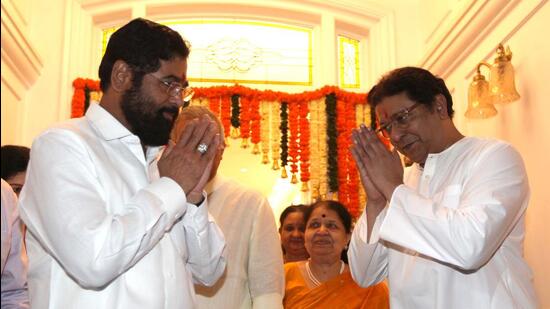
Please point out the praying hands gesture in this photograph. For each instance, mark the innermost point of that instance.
(380, 170)
(189, 161)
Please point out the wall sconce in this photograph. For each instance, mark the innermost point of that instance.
(500, 89)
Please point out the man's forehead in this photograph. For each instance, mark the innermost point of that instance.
(175, 67)
(391, 106)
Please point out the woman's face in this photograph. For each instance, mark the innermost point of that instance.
(325, 234)
(292, 233)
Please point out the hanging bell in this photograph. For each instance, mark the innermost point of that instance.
(305, 187)
(275, 165)
(283, 173)
(244, 142)
(235, 132)
(315, 194)
(265, 158)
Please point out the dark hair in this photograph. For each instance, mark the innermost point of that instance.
(290, 209)
(342, 212)
(141, 44)
(418, 84)
(14, 160)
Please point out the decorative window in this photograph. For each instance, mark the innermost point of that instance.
(348, 55)
(246, 52)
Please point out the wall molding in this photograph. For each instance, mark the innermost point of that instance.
(17, 52)
(374, 24)
(461, 32)
(491, 53)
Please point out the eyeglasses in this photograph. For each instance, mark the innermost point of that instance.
(175, 89)
(400, 119)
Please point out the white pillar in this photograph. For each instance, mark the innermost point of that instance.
(329, 59)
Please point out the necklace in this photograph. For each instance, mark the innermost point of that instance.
(314, 279)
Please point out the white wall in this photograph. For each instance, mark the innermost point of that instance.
(523, 25)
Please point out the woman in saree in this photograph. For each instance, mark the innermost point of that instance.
(324, 280)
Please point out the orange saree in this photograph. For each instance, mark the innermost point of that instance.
(340, 292)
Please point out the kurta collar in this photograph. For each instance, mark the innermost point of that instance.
(433, 158)
(106, 125)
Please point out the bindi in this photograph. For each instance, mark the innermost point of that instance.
(323, 215)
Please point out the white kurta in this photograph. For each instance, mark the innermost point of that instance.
(105, 231)
(14, 261)
(452, 235)
(254, 277)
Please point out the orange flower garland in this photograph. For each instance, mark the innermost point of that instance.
(362, 115)
(294, 135)
(265, 123)
(353, 176)
(304, 143)
(275, 134)
(255, 118)
(214, 105)
(245, 117)
(218, 98)
(227, 91)
(342, 141)
(78, 102)
(225, 114)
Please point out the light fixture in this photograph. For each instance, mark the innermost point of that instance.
(499, 89)
(480, 101)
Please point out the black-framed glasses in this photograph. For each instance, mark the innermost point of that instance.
(176, 89)
(400, 119)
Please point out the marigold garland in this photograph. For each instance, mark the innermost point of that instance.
(238, 90)
(353, 177)
(245, 117)
(314, 156)
(323, 150)
(316, 132)
(255, 118)
(214, 105)
(304, 142)
(294, 133)
(362, 115)
(342, 144)
(275, 134)
(80, 101)
(332, 150)
(264, 130)
(235, 114)
(284, 136)
(225, 116)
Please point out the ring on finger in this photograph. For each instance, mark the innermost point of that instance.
(202, 148)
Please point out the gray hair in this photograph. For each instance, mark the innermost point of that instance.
(193, 112)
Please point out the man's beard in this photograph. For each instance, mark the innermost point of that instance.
(146, 119)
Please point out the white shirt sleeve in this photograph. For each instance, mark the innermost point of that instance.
(205, 244)
(14, 266)
(265, 262)
(368, 261)
(70, 211)
(488, 205)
